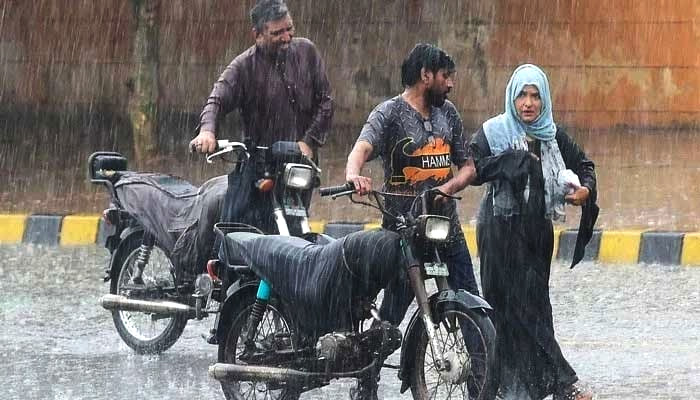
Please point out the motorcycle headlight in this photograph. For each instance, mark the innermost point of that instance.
(298, 176)
(435, 227)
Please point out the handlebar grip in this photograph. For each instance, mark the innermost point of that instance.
(331, 190)
(221, 143)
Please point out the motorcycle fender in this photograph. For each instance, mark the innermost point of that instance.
(446, 298)
(128, 231)
(116, 254)
(469, 300)
(235, 291)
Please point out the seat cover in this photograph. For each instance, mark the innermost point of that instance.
(167, 205)
(320, 282)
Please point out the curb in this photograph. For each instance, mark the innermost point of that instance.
(610, 247)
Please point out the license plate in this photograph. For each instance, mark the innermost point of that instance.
(295, 212)
(436, 269)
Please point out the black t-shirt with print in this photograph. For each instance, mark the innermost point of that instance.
(416, 153)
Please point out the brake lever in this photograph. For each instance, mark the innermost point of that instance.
(443, 194)
(225, 146)
(345, 193)
(313, 164)
(212, 156)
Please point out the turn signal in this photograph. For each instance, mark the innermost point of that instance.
(265, 185)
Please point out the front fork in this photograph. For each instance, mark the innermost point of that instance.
(281, 217)
(415, 276)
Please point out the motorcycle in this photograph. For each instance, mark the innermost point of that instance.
(160, 235)
(298, 316)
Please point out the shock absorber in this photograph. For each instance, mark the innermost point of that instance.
(256, 314)
(144, 255)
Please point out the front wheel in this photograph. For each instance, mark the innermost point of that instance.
(273, 334)
(463, 365)
(146, 333)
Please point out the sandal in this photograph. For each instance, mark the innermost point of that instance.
(573, 392)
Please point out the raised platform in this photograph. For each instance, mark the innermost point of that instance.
(608, 246)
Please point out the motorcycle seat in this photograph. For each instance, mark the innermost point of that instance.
(171, 185)
(322, 281)
(173, 210)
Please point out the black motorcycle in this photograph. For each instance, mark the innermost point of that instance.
(298, 316)
(161, 237)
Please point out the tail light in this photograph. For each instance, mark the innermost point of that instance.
(111, 216)
(212, 268)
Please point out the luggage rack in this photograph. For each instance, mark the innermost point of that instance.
(224, 228)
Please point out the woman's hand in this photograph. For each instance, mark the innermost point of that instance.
(578, 197)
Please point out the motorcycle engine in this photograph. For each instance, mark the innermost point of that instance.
(350, 350)
(337, 346)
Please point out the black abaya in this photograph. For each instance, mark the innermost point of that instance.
(515, 257)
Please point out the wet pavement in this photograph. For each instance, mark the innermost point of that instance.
(631, 332)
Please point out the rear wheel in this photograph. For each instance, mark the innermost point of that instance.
(466, 341)
(146, 333)
(273, 334)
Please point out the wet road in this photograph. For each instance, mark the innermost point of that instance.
(631, 332)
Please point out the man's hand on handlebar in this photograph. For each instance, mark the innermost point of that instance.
(306, 149)
(439, 198)
(205, 142)
(363, 184)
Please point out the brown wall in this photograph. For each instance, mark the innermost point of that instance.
(610, 62)
(624, 76)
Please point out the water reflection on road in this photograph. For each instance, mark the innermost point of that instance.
(629, 331)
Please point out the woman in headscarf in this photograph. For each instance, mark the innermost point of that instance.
(533, 167)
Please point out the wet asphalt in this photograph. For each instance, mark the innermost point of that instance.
(630, 331)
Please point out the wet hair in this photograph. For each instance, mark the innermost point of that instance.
(265, 11)
(427, 56)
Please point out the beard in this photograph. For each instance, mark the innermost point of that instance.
(278, 50)
(435, 97)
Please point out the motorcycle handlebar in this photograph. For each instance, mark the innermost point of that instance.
(220, 144)
(332, 190)
(225, 146)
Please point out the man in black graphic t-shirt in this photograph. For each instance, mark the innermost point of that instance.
(418, 136)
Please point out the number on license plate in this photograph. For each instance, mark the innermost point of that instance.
(436, 269)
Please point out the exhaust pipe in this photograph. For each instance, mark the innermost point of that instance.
(236, 372)
(116, 302)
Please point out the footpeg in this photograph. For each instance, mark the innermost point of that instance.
(212, 338)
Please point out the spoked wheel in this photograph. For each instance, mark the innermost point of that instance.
(466, 356)
(272, 334)
(146, 333)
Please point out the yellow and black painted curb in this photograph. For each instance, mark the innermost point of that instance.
(609, 246)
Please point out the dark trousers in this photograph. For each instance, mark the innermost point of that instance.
(398, 295)
(246, 204)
